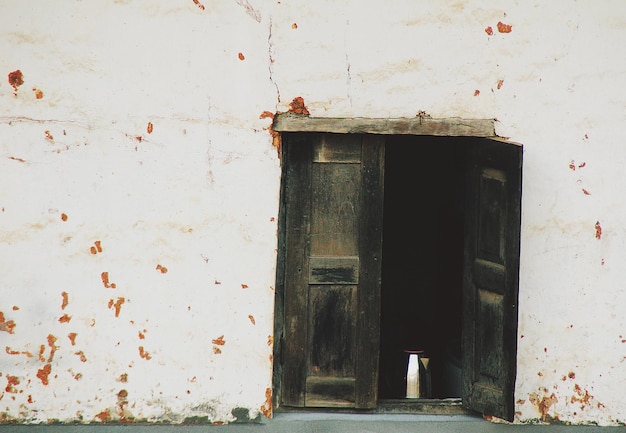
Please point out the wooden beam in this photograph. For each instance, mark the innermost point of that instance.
(451, 127)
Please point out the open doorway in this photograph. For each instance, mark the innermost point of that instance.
(422, 270)
(415, 221)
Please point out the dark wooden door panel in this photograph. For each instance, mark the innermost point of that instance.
(491, 277)
(332, 325)
(335, 208)
(333, 240)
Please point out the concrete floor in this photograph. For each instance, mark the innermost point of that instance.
(327, 423)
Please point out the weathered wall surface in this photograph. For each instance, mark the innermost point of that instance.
(140, 188)
(138, 211)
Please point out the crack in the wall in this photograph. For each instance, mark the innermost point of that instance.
(270, 52)
(250, 10)
(24, 119)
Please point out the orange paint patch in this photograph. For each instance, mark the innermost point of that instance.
(105, 281)
(489, 31)
(49, 136)
(504, 28)
(244, 286)
(143, 354)
(141, 335)
(23, 352)
(6, 325)
(150, 128)
(219, 341)
(586, 192)
(96, 248)
(123, 378)
(122, 402)
(241, 56)
(82, 356)
(11, 382)
(163, 269)
(38, 93)
(15, 308)
(53, 348)
(30, 399)
(44, 373)
(72, 337)
(65, 318)
(598, 230)
(571, 375)
(500, 83)
(251, 317)
(200, 5)
(217, 350)
(17, 159)
(276, 138)
(476, 92)
(16, 79)
(266, 408)
(63, 217)
(582, 396)
(42, 349)
(294, 26)
(104, 416)
(572, 165)
(297, 106)
(117, 305)
(543, 404)
(65, 300)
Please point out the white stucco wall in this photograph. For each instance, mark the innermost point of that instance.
(181, 215)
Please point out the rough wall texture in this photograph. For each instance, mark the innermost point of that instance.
(140, 188)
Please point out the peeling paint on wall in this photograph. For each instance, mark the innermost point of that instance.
(266, 408)
(95, 249)
(6, 325)
(504, 28)
(16, 79)
(297, 106)
(105, 280)
(116, 305)
(543, 402)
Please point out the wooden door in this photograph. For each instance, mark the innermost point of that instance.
(333, 200)
(491, 270)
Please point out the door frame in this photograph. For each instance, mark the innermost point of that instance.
(289, 122)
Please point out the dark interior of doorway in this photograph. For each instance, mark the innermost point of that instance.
(421, 299)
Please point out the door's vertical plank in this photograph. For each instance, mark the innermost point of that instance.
(334, 236)
(370, 252)
(297, 209)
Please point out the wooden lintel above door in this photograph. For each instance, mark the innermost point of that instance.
(452, 127)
